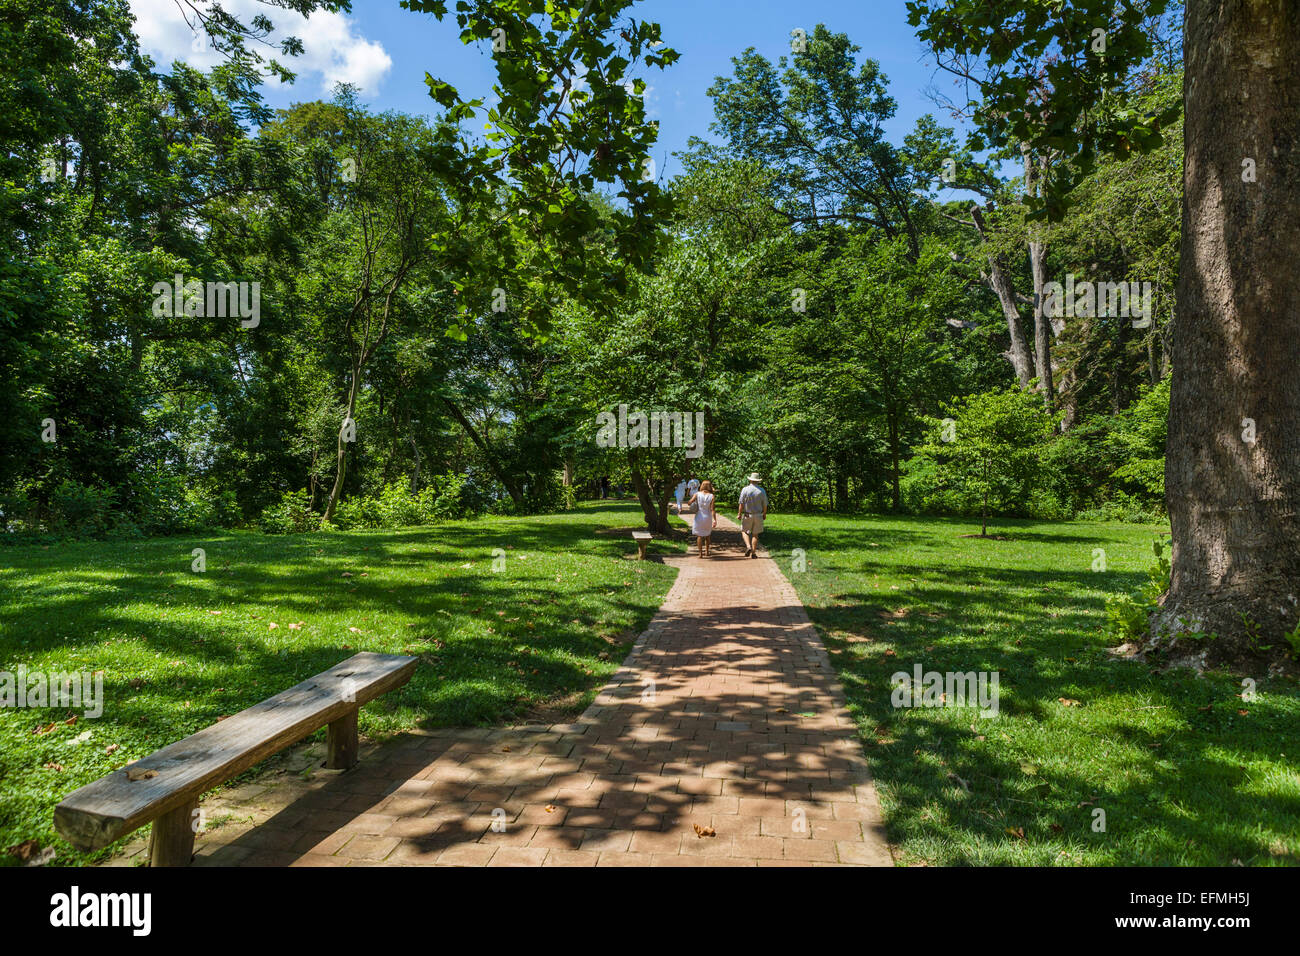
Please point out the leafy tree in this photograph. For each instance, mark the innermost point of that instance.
(1233, 500)
(989, 450)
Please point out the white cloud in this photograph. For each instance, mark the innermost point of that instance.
(333, 51)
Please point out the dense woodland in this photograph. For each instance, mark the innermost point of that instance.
(824, 296)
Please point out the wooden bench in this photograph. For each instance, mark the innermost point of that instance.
(642, 539)
(165, 786)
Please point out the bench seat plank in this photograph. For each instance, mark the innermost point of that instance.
(113, 806)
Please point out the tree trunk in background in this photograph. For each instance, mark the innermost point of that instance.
(1042, 325)
(656, 513)
(997, 281)
(1236, 344)
(341, 460)
(494, 465)
(893, 456)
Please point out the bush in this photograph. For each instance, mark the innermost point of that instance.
(1127, 615)
(446, 497)
(1123, 507)
(19, 511)
(292, 514)
(166, 503)
(79, 509)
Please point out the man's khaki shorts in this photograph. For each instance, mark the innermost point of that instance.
(752, 524)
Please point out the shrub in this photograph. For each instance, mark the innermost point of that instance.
(79, 509)
(444, 498)
(292, 514)
(1127, 615)
(19, 511)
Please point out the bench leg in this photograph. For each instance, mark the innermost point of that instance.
(342, 742)
(172, 841)
(640, 550)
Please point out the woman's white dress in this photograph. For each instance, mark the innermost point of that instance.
(703, 514)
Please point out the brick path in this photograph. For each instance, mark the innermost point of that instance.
(726, 715)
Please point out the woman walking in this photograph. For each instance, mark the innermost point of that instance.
(706, 518)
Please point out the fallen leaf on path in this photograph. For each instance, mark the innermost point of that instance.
(704, 831)
(550, 808)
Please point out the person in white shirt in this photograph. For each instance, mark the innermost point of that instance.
(706, 519)
(750, 512)
(679, 493)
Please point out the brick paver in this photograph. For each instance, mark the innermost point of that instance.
(726, 716)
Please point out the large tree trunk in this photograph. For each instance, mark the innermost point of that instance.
(1236, 343)
(1042, 324)
(997, 281)
(1038, 275)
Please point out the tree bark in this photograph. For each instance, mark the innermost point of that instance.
(997, 281)
(342, 451)
(1236, 343)
(1043, 330)
(1042, 324)
(894, 457)
(656, 512)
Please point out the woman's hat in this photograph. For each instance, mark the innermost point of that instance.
(755, 477)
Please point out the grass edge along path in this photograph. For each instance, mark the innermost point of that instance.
(1091, 760)
(510, 617)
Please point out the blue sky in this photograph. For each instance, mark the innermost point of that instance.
(387, 50)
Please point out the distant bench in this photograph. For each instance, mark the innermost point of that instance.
(642, 539)
(165, 786)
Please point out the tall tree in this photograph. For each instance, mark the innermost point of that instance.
(1233, 459)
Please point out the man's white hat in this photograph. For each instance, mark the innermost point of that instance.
(755, 477)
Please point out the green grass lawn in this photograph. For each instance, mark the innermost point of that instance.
(1186, 772)
(178, 649)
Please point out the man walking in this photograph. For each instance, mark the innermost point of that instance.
(750, 512)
